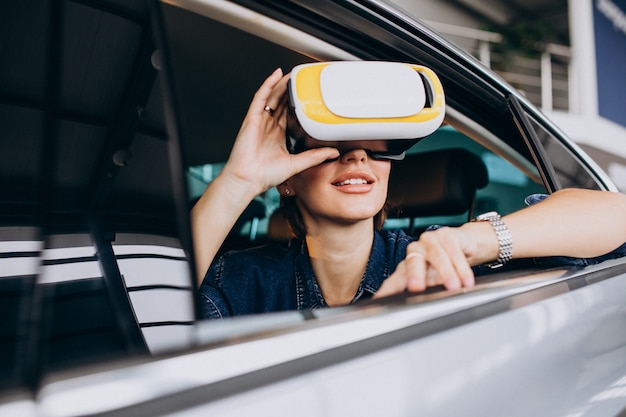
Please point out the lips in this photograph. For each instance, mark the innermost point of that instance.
(354, 182)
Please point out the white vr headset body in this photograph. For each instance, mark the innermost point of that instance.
(365, 100)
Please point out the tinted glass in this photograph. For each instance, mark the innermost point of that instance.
(570, 170)
(91, 247)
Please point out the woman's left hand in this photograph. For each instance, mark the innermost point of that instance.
(440, 257)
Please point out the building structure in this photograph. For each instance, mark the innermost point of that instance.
(567, 56)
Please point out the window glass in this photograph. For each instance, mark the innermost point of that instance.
(92, 263)
(156, 277)
(20, 248)
(505, 191)
(569, 169)
(252, 226)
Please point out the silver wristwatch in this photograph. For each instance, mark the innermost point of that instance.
(504, 238)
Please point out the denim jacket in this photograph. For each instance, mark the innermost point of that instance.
(278, 278)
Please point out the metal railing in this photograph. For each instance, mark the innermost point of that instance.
(544, 79)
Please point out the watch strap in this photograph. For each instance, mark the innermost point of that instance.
(505, 242)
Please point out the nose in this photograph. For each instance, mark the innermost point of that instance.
(354, 155)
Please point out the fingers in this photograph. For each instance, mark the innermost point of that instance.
(280, 108)
(270, 101)
(438, 258)
(275, 106)
(409, 275)
(395, 284)
(311, 158)
(277, 98)
(446, 258)
(416, 271)
(266, 91)
(269, 110)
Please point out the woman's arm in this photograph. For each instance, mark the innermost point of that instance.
(572, 222)
(258, 161)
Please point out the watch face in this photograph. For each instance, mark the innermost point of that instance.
(488, 215)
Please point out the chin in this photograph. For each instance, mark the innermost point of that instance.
(357, 216)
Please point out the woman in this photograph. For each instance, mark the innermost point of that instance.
(339, 190)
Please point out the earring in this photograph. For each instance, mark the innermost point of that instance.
(287, 191)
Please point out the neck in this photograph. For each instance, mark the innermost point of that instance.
(339, 257)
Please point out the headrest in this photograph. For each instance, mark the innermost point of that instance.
(364, 100)
(442, 182)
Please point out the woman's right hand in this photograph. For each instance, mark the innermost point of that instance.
(259, 159)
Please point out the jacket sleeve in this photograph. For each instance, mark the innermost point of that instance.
(212, 302)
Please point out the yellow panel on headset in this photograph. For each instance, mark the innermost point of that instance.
(366, 100)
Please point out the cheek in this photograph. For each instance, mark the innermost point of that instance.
(382, 169)
(308, 179)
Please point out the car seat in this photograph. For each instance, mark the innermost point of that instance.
(278, 229)
(437, 183)
(244, 232)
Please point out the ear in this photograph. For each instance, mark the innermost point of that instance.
(285, 189)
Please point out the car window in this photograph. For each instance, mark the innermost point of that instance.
(568, 168)
(213, 99)
(507, 185)
(20, 249)
(91, 252)
(505, 192)
(156, 276)
(208, 131)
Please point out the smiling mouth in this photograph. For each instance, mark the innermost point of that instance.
(352, 181)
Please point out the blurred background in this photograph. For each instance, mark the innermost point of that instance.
(567, 56)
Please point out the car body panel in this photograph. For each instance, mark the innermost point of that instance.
(486, 352)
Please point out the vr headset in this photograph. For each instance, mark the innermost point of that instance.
(363, 100)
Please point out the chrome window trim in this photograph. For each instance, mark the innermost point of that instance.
(264, 27)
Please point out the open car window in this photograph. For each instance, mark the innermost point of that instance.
(505, 191)
(213, 98)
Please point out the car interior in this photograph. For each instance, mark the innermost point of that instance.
(115, 128)
(477, 178)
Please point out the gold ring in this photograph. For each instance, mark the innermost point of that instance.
(269, 110)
